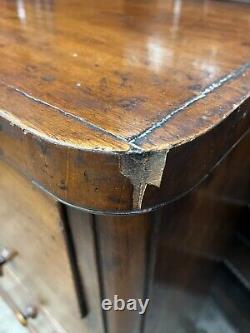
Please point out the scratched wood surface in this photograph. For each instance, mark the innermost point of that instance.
(105, 104)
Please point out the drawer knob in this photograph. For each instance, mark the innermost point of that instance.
(5, 256)
(23, 316)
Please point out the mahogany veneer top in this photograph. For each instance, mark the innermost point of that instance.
(116, 78)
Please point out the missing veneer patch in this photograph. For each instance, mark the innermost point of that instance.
(142, 170)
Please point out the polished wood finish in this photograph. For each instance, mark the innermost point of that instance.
(124, 157)
(88, 90)
(170, 256)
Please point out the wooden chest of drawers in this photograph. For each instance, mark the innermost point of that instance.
(40, 273)
(124, 159)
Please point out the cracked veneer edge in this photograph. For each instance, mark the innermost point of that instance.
(146, 171)
(152, 208)
(140, 167)
(139, 176)
(209, 89)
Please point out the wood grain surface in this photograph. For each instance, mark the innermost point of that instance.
(40, 274)
(170, 256)
(121, 107)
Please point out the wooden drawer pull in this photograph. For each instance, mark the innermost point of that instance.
(5, 256)
(24, 316)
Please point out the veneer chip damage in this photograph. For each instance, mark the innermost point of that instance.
(142, 170)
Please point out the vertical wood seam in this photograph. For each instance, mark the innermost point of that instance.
(71, 251)
(151, 251)
(99, 270)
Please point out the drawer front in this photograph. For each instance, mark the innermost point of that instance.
(40, 271)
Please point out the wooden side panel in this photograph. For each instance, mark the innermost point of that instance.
(171, 256)
(195, 234)
(114, 258)
(123, 258)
